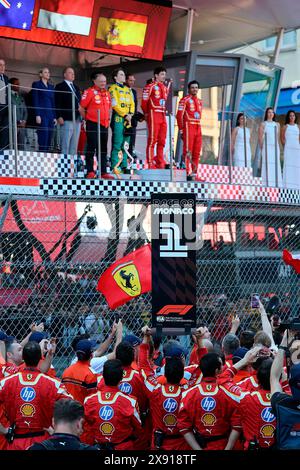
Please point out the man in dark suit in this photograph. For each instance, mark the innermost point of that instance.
(130, 81)
(69, 128)
(4, 135)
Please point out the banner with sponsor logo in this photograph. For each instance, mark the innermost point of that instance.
(173, 233)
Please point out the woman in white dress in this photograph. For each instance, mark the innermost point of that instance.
(290, 138)
(241, 152)
(268, 139)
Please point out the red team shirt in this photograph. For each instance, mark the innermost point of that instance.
(257, 419)
(112, 417)
(189, 111)
(164, 407)
(28, 399)
(93, 99)
(211, 410)
(154, 98)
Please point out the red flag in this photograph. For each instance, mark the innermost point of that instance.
(69, 16)
(127, 278)
(291, 260)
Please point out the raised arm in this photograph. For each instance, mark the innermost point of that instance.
(266, 325)
(277, 366)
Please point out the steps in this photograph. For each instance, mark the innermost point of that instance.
(30, 164)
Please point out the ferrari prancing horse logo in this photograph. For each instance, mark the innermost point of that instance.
(127, 277)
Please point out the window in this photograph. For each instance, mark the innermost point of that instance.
(289, 41)
(206, 98)
(208, 155)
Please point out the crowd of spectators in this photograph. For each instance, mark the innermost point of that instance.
(137, 392)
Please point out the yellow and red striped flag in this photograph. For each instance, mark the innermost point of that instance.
(121, 30)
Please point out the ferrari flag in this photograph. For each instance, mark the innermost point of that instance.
(127, 278)
(121, 30)
(291, 260)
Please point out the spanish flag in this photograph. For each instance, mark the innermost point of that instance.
(127, 278)
(121, 30)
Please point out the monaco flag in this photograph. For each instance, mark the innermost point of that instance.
(69, 16)
(127, 278)
(291, 260)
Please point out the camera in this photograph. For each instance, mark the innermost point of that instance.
(293, 324)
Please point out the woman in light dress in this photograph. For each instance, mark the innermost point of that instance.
(268, 139)
(240, 137)
(291, 141)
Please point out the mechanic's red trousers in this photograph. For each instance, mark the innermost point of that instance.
(192, 144)
(157, 132)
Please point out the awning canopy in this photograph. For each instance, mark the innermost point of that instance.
(289, 98)
(253, 103)
(221, 26)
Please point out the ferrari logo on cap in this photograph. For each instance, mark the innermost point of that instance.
(127, 278)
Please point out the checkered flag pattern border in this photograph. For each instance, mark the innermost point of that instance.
(143, 189)
(36, 164)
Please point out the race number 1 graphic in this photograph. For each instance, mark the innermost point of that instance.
(173, 238)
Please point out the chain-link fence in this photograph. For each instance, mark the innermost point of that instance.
(53, 253)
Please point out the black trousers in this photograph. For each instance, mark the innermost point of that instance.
(4, 133)
(132, 140)
(92, 145)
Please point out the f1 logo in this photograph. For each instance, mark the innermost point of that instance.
(172, 249)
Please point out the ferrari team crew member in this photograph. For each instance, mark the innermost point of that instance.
(94, 99)
(28, 399)
(123, 109)
(112, 418)
(13, 352)
(154, 107)
(208, 416)
(79, 379)
(164, 406)
(257, 419)
(132, 384)
(188, 120)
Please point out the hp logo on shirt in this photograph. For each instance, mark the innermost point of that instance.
(170, 405)
(125, 388)
(267, 416)
(27, 394)
(208, 404)
(106, 413)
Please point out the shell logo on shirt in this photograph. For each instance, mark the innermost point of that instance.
(268, 430)
(170, 405)
(106, 413)
(27, 394)
(107, 429)
(208, 404)
(170, 420)
(208, 419)
(27, 410)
